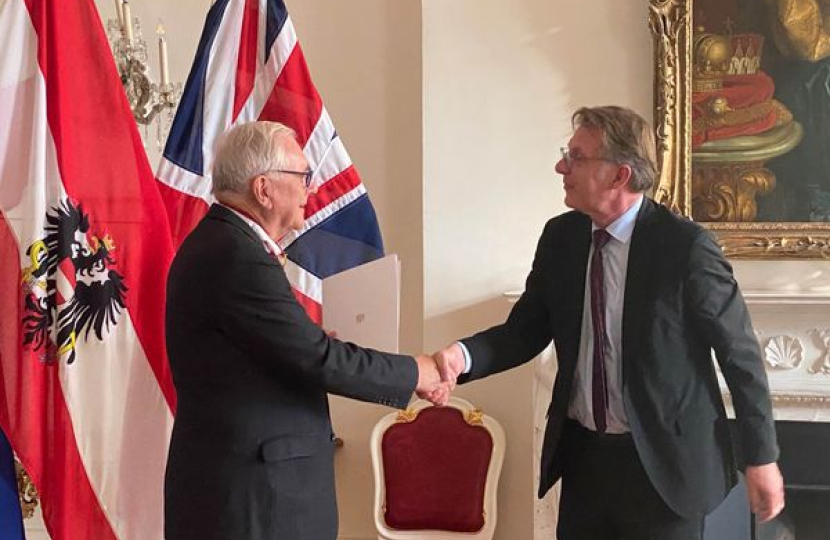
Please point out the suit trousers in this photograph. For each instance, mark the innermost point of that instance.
(607, 495)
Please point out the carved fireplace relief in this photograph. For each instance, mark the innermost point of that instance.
(794, 337)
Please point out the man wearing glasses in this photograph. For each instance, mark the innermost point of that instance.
(251, 454)
(635, 300)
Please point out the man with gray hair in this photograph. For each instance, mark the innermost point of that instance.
(251, 454)
(635, 300)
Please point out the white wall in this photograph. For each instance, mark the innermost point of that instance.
(790, 277)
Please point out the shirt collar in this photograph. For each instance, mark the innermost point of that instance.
(622, 228)
(268, 244)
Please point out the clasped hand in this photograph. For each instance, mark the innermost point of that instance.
(437, 374)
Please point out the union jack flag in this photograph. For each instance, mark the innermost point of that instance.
(249, 66)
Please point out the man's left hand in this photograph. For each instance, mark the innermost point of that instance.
(430, 386)
(766, 490)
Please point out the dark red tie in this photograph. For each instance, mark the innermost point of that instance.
(599, 389)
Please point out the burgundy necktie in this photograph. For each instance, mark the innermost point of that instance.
(599, 390)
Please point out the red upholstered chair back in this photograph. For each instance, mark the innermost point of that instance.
(436, 469)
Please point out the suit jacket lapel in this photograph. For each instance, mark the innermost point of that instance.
(641, 255)
(580, 248)
(219, 212)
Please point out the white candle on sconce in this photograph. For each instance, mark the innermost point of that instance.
(128, 21)
(165, 74)
(119, 14)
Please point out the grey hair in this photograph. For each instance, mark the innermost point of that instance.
(627, 139)
(247, 150)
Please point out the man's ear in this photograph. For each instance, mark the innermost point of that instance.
(623, 177)
(259, 188)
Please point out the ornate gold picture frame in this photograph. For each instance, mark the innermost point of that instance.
(732, 152)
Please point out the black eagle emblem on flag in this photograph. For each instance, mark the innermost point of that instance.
(67, 302)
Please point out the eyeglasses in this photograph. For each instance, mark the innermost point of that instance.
(307, 175)
(571, 159)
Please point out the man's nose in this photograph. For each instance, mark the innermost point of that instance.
(560, 167)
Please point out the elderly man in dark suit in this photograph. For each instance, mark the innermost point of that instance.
(251, 451)
(635, 300)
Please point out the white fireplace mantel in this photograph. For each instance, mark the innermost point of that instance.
(786, 298)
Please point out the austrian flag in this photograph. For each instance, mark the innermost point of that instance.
(86, 398)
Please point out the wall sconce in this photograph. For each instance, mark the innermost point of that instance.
(147, 98)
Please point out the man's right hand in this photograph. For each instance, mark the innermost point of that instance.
(437, 374)
(430, 386)
(450, 362)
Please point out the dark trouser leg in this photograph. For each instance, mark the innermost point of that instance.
(606, 494)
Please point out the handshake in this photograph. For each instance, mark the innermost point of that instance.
(437, 374)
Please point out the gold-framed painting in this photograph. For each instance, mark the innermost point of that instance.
(742, 115)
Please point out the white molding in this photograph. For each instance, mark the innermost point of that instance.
(512, 296)
(751, 297)
(786, 298)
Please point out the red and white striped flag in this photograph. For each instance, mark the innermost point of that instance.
(249, 66)
(86, 396)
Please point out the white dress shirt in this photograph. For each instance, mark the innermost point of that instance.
(267, 243)
(615, 267)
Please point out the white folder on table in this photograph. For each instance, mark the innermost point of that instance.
(362, 304)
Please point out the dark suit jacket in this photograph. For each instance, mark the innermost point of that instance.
(251, 451)
(681, 302)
